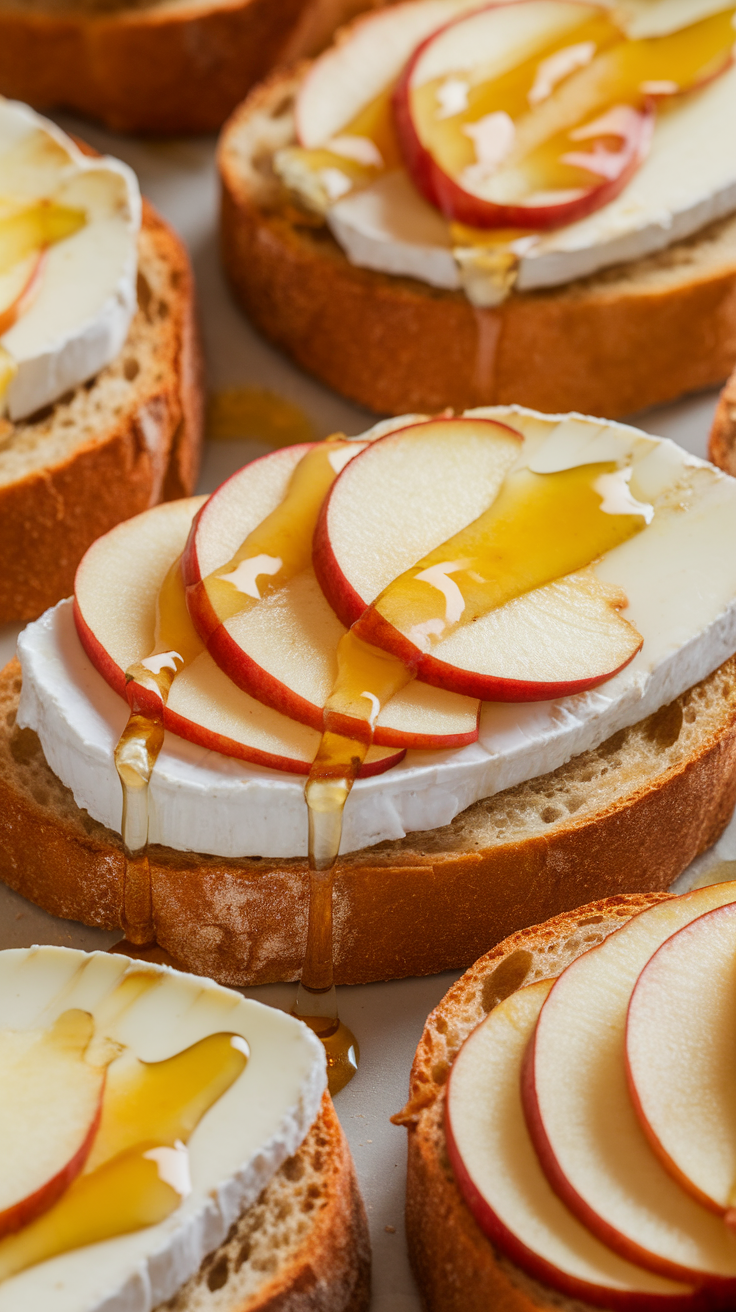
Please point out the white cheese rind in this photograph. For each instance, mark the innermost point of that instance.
(208, 803)
(235, 1150)
(80, 317)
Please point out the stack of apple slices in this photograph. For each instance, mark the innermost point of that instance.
(258, 685)
(260, 677)
(591, 1121)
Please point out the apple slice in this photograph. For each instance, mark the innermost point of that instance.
(283, 650)
(424, 494)
(50, 1108)
(116, 588)
(17, 287)
(502, 1182)
(681, 1056)
(535, 114)
(582, 1121)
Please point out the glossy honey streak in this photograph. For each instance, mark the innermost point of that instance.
(540, 527)
(137, 1170)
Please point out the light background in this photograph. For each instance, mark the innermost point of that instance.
(180, 178)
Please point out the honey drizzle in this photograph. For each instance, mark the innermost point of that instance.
(147, 685)
(136, 1173)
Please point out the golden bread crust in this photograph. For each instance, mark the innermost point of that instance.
(629, 337)
(302, 1247)
(141, 447)
(722, 445)
(626, 817)
(456, 1266)
(143, 69)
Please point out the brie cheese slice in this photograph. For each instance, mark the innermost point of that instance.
(79, 317)
(234, 1151)
(680, 578)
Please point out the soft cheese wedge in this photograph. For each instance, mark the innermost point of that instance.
(583, 1122)
(503, 1184)
(84, 291)
(204, 705)
(679, 1043)
(278, 635)
(259, 1113)
(197, 796)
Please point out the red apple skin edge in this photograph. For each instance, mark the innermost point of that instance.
(455, 203)
(671, 1167)
(13, 312)
(721, 1293)
(538, 1267)
(148, 704)
(253, 679)
(28, 1209)
(200, 608)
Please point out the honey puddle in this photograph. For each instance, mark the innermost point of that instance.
(242, 413)
(137, 1171)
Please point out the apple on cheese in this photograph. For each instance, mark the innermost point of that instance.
(68, 259)
(517, 146)
(140, 1107)
(254, 694)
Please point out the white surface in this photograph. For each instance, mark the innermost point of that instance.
(204, 802)
(233, 1152)
(78, 320)
(388, 1018)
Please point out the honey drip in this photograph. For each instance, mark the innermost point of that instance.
(148, 683)
(137, 1171)
(539, 528)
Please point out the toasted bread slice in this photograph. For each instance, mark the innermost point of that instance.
(303, 1246)
(632, 336)
(456, 1266)
(722, 446)
(110, 448)
(155, 65)
(628, 816)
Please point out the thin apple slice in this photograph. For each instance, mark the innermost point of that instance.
(115, 593)
(284, 652)
(582, 1121)
(503, 1184)
(493, 615)
(681, 1056)
(281, 647)
(17, 287)
(50, 1108)
(536, 114)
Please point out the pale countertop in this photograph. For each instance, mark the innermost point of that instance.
(179, 177)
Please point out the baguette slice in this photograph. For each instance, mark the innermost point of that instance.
(628, 816)
(457, 1267)
(111, 447)
(722, 445)
(151, 66)
(628, 337)
(302, 1247)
